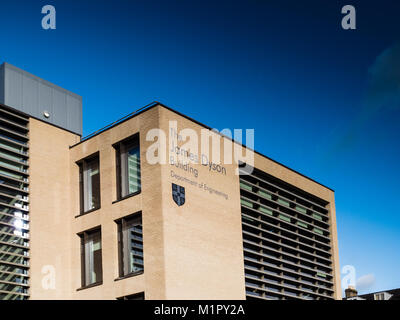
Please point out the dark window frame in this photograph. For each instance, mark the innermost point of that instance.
(135, 296)
(121, 223)
(81, 164)
(119, 146)
(83, 238)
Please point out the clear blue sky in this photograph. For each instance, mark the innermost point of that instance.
(322, 100)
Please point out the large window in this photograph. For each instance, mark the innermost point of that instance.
(128, 167)
(89, 176)
(130, 241)
(92, 270)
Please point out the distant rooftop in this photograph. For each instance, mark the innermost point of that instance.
(392, 294)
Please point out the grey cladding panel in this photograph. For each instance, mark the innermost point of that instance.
(45, 100)
(2, 84)
(13, 89)
(74, 113)
(60, 114)
(32, 95)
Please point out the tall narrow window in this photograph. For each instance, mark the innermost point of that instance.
(90, 183)
(128, 167)
(92, 270)
(130, 233)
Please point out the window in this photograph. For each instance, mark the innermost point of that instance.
(246, 203)
(245, 186)
(128, 167)
(266, 210)
(284, 202)
(89, 179)
(318, 231)
(301, 209)
(317, 216)
(265, 194)
(92, 270)
(379, 296)
(136, 296)
(284, 218)
(302, 224)
(130, 242)
(382, 296)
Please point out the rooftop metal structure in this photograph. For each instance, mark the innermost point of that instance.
(40, 99)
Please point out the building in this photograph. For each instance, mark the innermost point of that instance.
(352, 294)
(93, 218)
